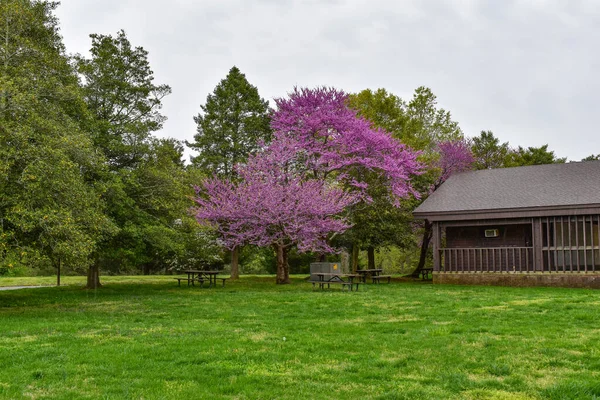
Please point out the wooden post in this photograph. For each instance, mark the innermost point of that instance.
(345, 260)
(592, 242)
(538, 263)
(58, 273)
(577, 244)
(355, 255)
(584, 247)
(436, 246)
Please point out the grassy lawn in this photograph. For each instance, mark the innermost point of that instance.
(141, 337)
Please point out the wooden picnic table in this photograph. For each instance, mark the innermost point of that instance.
(368, 272)
(192, 278)
(374, 274)
(326, 278)
(200, 276)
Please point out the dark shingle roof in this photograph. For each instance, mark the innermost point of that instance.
(551, 185)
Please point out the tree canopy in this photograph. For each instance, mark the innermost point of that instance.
(592, 157)
(534, 156)
(49, 202)
(489, 152)
(233, 124)
(292, 194)
(332, 139)
(120, 91)
(422, 125)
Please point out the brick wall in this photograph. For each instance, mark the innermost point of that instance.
(570, 280)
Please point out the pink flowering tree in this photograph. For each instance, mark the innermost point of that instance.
(295, 192)
(331, 140)
(454, 157)
(271, 205)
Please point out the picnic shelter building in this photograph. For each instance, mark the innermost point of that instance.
(525, 226)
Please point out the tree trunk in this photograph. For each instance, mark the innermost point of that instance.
(344, 260)
(371, 257)
(427, 235)
(354, 257)
(93, 277)
(283, 270)
(235, 263)
(58, 273)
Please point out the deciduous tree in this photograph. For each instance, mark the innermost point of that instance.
(421, 124)
(121, 93)
(379, 223)
(534, 156)
(428, 125)
(271, 205)
(49, 199)
(489, 153)
(146, 191)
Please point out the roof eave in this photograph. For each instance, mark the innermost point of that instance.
(459, 215)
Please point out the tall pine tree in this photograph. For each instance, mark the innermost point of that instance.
(232, 124)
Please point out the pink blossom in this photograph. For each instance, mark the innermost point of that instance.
(455, 157)
(270, 206)
(330, 138)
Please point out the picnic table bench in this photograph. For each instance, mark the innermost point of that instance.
(220, 279)
(194, 275)
(374, 274)
(190, 281)
(336, 279)
(378, 278)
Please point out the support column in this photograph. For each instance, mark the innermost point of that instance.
(436, 246)
(538, 263)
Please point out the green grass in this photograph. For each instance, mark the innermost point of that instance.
(144, 337)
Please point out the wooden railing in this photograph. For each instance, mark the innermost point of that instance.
(571, 259)
(571, 243)
(489, 259)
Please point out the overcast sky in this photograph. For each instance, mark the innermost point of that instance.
(527, 70)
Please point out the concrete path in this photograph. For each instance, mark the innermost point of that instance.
(20, 287)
